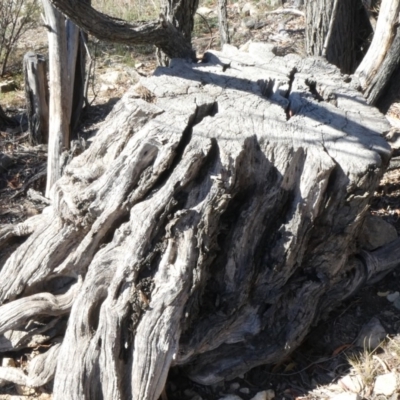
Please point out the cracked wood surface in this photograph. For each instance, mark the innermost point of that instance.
(210, 225)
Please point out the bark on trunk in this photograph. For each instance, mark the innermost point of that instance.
(382, 58)
(64, 39)
(37, 98)
(333, 31)
(213, 220)
(223, 22)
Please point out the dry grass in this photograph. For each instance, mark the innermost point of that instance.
(129, 10)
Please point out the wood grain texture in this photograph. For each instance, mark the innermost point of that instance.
(212, 221)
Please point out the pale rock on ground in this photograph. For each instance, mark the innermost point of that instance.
(376, 232)
(346, 396)
(265, 395)
(385, 384)
(231, 397)
(250, 9)
(352, 383)
(371, 334)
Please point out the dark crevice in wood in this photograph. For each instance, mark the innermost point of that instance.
(312, 85)
(292, 76)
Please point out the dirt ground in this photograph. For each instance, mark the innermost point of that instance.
(330, 364)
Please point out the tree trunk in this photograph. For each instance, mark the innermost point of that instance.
(223, 22)
(382, 58)
(213, 220)
(37, 98)
(333, 31)
(64, 38)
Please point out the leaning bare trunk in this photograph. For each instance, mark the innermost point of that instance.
(212, 221)
(382, 58)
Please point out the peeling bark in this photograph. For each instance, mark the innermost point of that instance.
(213, 220)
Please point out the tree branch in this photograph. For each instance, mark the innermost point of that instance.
(104, 27)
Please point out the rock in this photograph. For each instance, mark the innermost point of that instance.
(111, 77)
(371, 334)
(6, 87)
(244, 390)
(230, 397)
(250, 9)
(205, 11)
(265, 395)
(346, 396)
(273, 3)
(234, 386)
(393, 296)
(385, 384)
(393, 137)
(353, 383)
(249, 22)
(376, 232)
(396, 303)
(133, 74)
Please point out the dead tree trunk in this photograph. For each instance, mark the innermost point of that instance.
(37, 97)
(382, 58)
(333, 30)
(223, 22)
(63, 39)
(213, 220)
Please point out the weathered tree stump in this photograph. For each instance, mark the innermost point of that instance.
(213, 220)
(37, 97)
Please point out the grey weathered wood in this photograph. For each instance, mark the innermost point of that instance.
(63, 39)
(212, 221)
(223, 22)
(385, 72)
(332, 31)
(385, 30)
(37, 97)
(162, 33)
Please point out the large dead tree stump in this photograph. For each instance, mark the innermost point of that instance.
(212, 221)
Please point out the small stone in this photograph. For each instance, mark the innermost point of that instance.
(396, 303)
(249, 23)
(265, 395)
(346, 396)
(376, 232)
(250, 9)
(244, 390)
(371, 334)
(6, 87)
(274, 3)
(393, 296)
(385, 384)
(353, 383)
(234, 386)
(8, 362)
(393, 137)
(230, 397)
(111, 77)
(204, 11)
